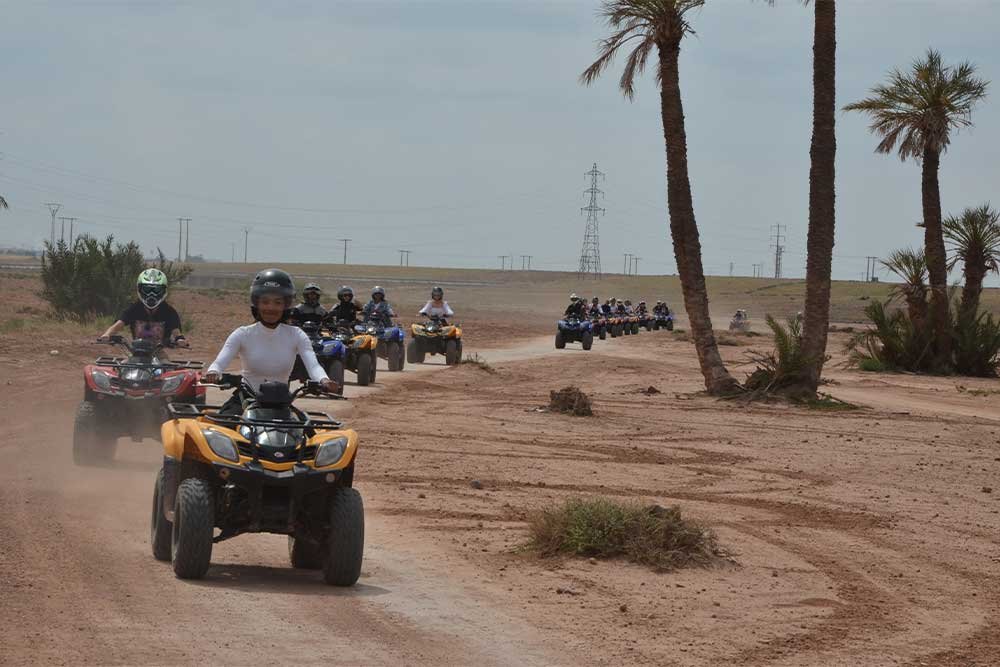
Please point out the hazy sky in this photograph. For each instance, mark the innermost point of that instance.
(458, 129)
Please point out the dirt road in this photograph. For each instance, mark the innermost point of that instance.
(858, 537)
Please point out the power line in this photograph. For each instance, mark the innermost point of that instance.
(590, 255)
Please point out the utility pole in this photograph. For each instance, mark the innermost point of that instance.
(779, 248)
(503, 262)
(757, 270)
(185, 227)
(628, 264)
(401, 253)
(730, 269)
(345, 242)
(180, 237)
(635, 271)
(62, 231)
(529, 261)
(53, 209)
(870, 268)
(233, 258)
(246, 242)
(590, 255)
(524, 261)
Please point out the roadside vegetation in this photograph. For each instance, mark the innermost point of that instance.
(603, 528)
(91, 278)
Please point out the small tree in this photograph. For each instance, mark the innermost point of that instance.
(974, 240)
(910, 265)
(93, 278)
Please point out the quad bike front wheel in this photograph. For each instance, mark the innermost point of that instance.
(374, 367)
(451, 353)
(304, 555)
(603, 334)
(587, 340)
(336, 373)
(635, 328)
(670, 325)
(160, 529)
(91, 443)
(345, 544)
(392, 356)
(560, 340)
(414, 352)
(194, 522)
(364, 370)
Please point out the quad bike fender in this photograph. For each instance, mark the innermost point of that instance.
(364, 342)
(453, 332)
(333, 348)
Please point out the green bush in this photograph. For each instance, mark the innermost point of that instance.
(783, 370)
(599, 527)
(93, 278)
(976, 345)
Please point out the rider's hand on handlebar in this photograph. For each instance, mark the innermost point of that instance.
(329, 386)
(211, 377)
(181, 341)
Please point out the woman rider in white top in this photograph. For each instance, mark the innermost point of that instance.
(268, 347)
(437, 306)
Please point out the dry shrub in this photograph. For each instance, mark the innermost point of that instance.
(570, 400)
(602, 528)
(480, 363)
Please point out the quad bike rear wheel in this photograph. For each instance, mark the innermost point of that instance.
(635, 328)
(587, 339)
(560, 340)
(670, 325)
(365, 370)
(304, 555)
(194, 523)
(392, 356)
(656, 326)
(603, 334)
(451, 354)
(401, 355)
(160, 529)
(627, 329)
(345, 543)
(91, 443)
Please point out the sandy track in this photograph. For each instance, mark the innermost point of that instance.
(855, 537)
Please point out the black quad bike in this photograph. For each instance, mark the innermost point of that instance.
(129, 396)
(273, 468)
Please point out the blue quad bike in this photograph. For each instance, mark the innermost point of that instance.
(663, 321)
(573, 330)
(331, 352)
(391, 344)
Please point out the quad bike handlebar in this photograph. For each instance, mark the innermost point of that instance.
(235, 381)
(121, 340)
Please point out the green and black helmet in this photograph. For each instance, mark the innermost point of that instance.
(152, 288)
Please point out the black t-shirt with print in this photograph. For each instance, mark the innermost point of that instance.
(153, 325)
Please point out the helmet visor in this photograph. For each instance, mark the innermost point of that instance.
(152, 295)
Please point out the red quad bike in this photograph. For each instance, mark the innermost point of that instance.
(128, 395)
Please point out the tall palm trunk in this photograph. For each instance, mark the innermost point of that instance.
(822, 193)
(684, 228)
(937, 262)
(974, 276)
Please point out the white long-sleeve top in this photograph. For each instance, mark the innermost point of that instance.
(268, 355)
(431, 310)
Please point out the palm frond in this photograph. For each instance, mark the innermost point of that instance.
(974, 238)
(923, 106)
(3, 203)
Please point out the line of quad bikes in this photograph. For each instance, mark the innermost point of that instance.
(273, 468)
(585, 330)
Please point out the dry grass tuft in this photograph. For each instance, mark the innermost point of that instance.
(570, 400)
(602, 528)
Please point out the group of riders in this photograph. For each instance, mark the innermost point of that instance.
(613, 307)
(268, 348)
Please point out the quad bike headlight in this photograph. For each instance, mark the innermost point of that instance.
(171, 384)
(330, 451)
(222, 445)
(101, 379)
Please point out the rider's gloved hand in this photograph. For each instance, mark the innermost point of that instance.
(212, 377)
(181, 341)
(329, 386)
(103, 339)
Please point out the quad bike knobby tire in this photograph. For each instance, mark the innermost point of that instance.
(587, 339)
(627, 329)
(560, 340)
(91, 444)
(414, 353)
(194, 522)
(304, 555)
(670, 325)
(374, 367)
(393, 357)
(603, 334)
(649, 326)
(635, 328)
(336, 373)
(401, 355)
(160, 529)
(365, 370)
(656, 326)
(451, 353)
(345, 544)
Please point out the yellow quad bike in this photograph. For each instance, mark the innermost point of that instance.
(272, 469)
(359, 350)
(435, 336)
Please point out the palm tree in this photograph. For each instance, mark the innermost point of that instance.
(663, 24)
(911, 266)
(3, 203)
(974, 238)
(915, 113)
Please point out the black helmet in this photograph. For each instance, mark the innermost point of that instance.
(345, 291)
(272, 281)
(436, 291)
(378, 290)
